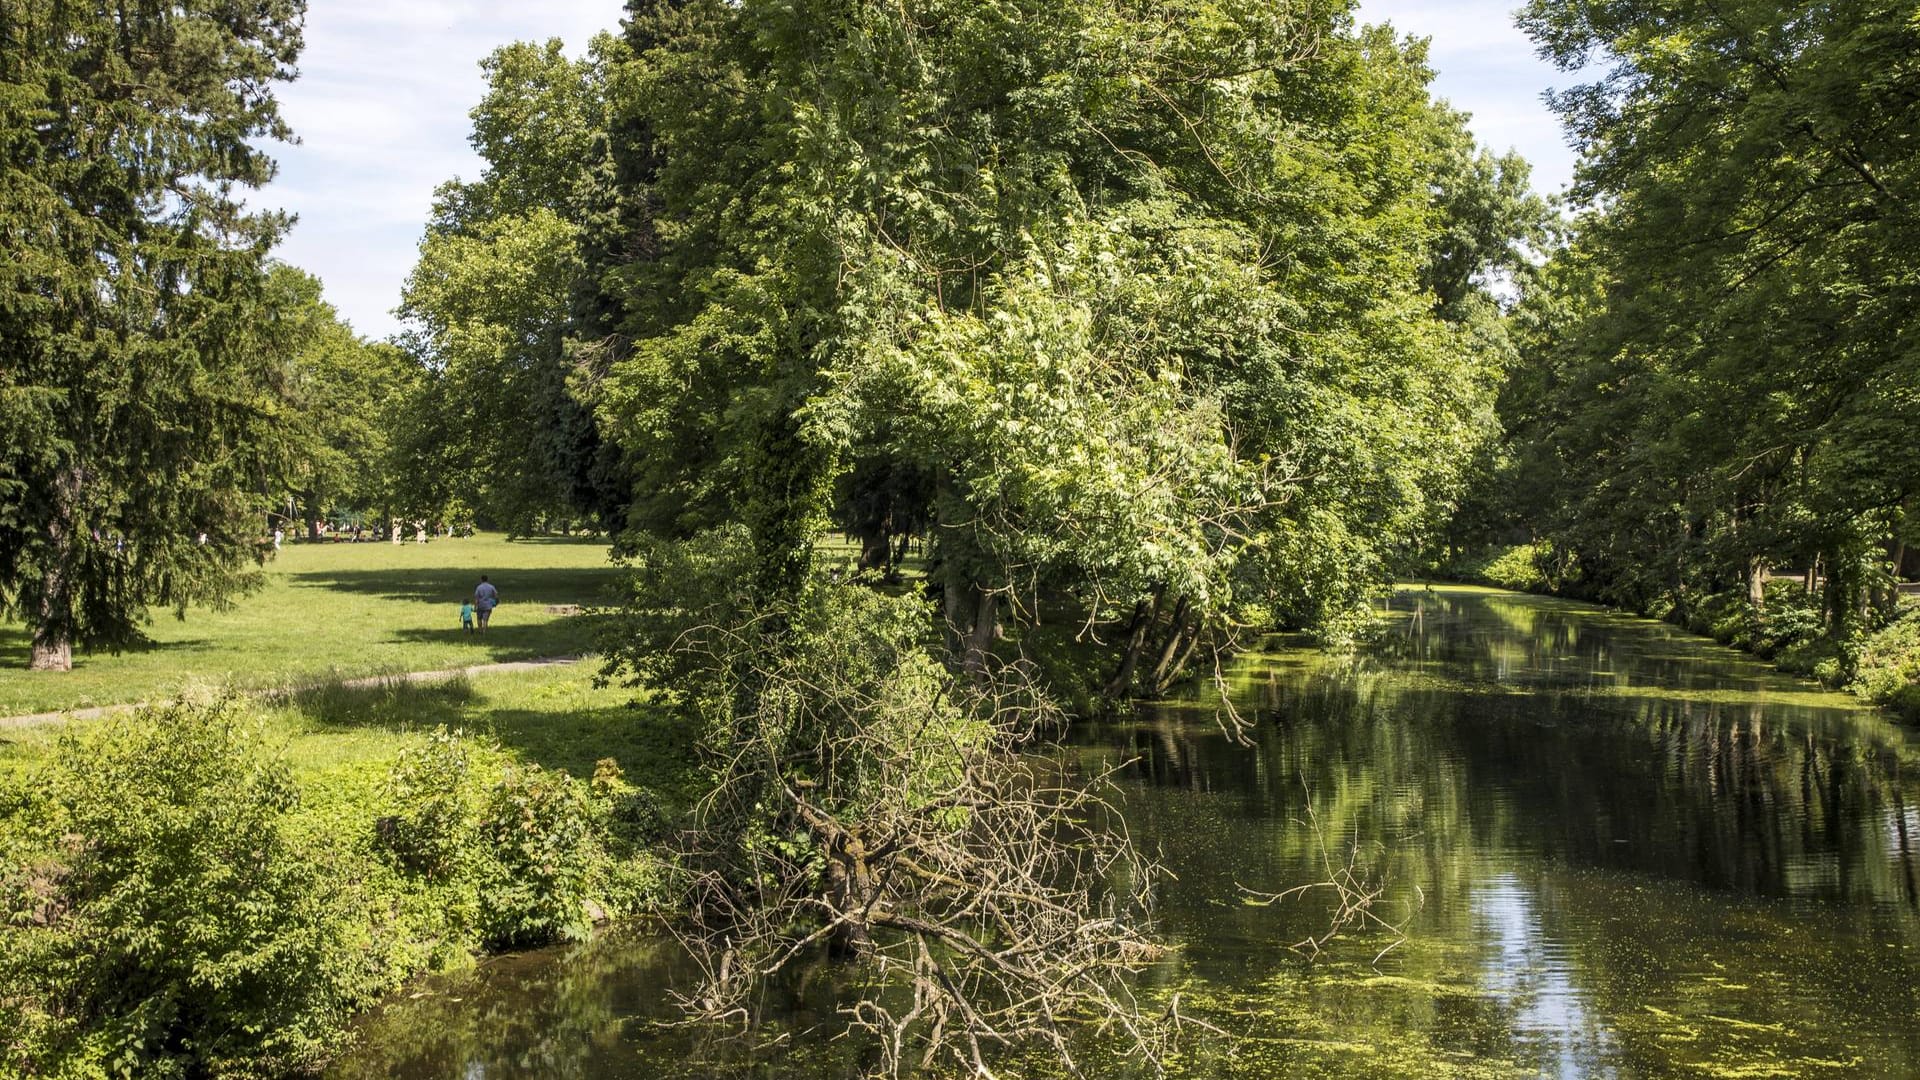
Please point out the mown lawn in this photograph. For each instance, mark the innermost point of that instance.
(341, 742)
(336, 609)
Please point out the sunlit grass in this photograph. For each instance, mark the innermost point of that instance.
(341, 741)
(336, 609)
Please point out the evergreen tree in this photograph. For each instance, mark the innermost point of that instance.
(142, 367)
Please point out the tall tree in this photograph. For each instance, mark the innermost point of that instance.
(351, 402)
(490, 297)
(1140, 305)
(1738, 388)
(142, 380)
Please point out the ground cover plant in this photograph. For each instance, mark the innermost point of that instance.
(338, 609)
(263, 871)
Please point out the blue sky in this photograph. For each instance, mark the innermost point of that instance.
(381, 111)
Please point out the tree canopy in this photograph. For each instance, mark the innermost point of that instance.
(144, 376)
(1156, 323)
(1722, 376)
(1147, 301)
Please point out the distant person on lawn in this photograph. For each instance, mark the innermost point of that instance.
(485, 599)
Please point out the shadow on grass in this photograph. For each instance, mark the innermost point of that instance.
(560, 541)
(387, 704)
(569, 636)
(558, 585)
(16, 649)
(654, 746)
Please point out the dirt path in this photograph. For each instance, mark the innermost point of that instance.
(366, 682)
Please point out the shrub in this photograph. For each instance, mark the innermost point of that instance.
(500, 854)
(170, 910)
(541, 849)
(160, 921)
(1520, 567)
(431, 790)
(1888, 672)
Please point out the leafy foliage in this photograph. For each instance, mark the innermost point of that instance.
(1136, 311)
(173, 909)
(347, 398)
(145, 381)
(504, 427)
(1718, 361)
(1889, 666)
(1140, 307)
(161, 919)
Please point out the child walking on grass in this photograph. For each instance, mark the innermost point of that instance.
(466, 616)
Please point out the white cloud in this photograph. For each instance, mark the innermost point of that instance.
(380, 109)
(1483, 64)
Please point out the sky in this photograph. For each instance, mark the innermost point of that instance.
(381, 104)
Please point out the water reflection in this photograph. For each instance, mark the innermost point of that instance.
(1616, 851)
(1532, 974)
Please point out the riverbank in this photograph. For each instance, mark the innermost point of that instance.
(1615, 849)
(1880, 665)
(277, 867)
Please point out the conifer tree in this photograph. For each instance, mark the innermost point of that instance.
(141, 373)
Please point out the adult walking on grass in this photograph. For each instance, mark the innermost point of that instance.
(485, 599)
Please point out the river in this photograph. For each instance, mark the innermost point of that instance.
(1611, 850)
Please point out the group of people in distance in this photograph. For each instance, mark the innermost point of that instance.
(479, 608)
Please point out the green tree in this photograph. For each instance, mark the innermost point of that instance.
(144, 378)
(1728, 392)
(349, 399)
(491, 295)
(1140, 322)
(1140, 307)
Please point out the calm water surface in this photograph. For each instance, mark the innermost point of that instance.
(1615, 851)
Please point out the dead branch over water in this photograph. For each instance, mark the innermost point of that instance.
(875, 805)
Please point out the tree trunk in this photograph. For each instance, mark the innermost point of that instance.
(51, 652)
(53, 626)
(873, 552)
(986, 630)
(1143, 618)
(311, 503)
(953, 598)
(1757, 585)
(1176, 633)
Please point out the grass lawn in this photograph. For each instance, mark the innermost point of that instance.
(340, 742)
(337, 609)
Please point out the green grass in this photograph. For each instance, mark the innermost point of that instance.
(337, 610)
(341, 741)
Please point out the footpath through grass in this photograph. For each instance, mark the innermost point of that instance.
(337, 610)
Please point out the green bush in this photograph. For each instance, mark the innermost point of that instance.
(160, 919)
(1793, 620)
(1888, 671)
(507, 855)
(1520, 567)
(540, 853)
(172, 910)
(431, 790)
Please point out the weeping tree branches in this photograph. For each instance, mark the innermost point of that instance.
(1122, 336)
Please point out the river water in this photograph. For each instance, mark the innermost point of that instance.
(1611, 850)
